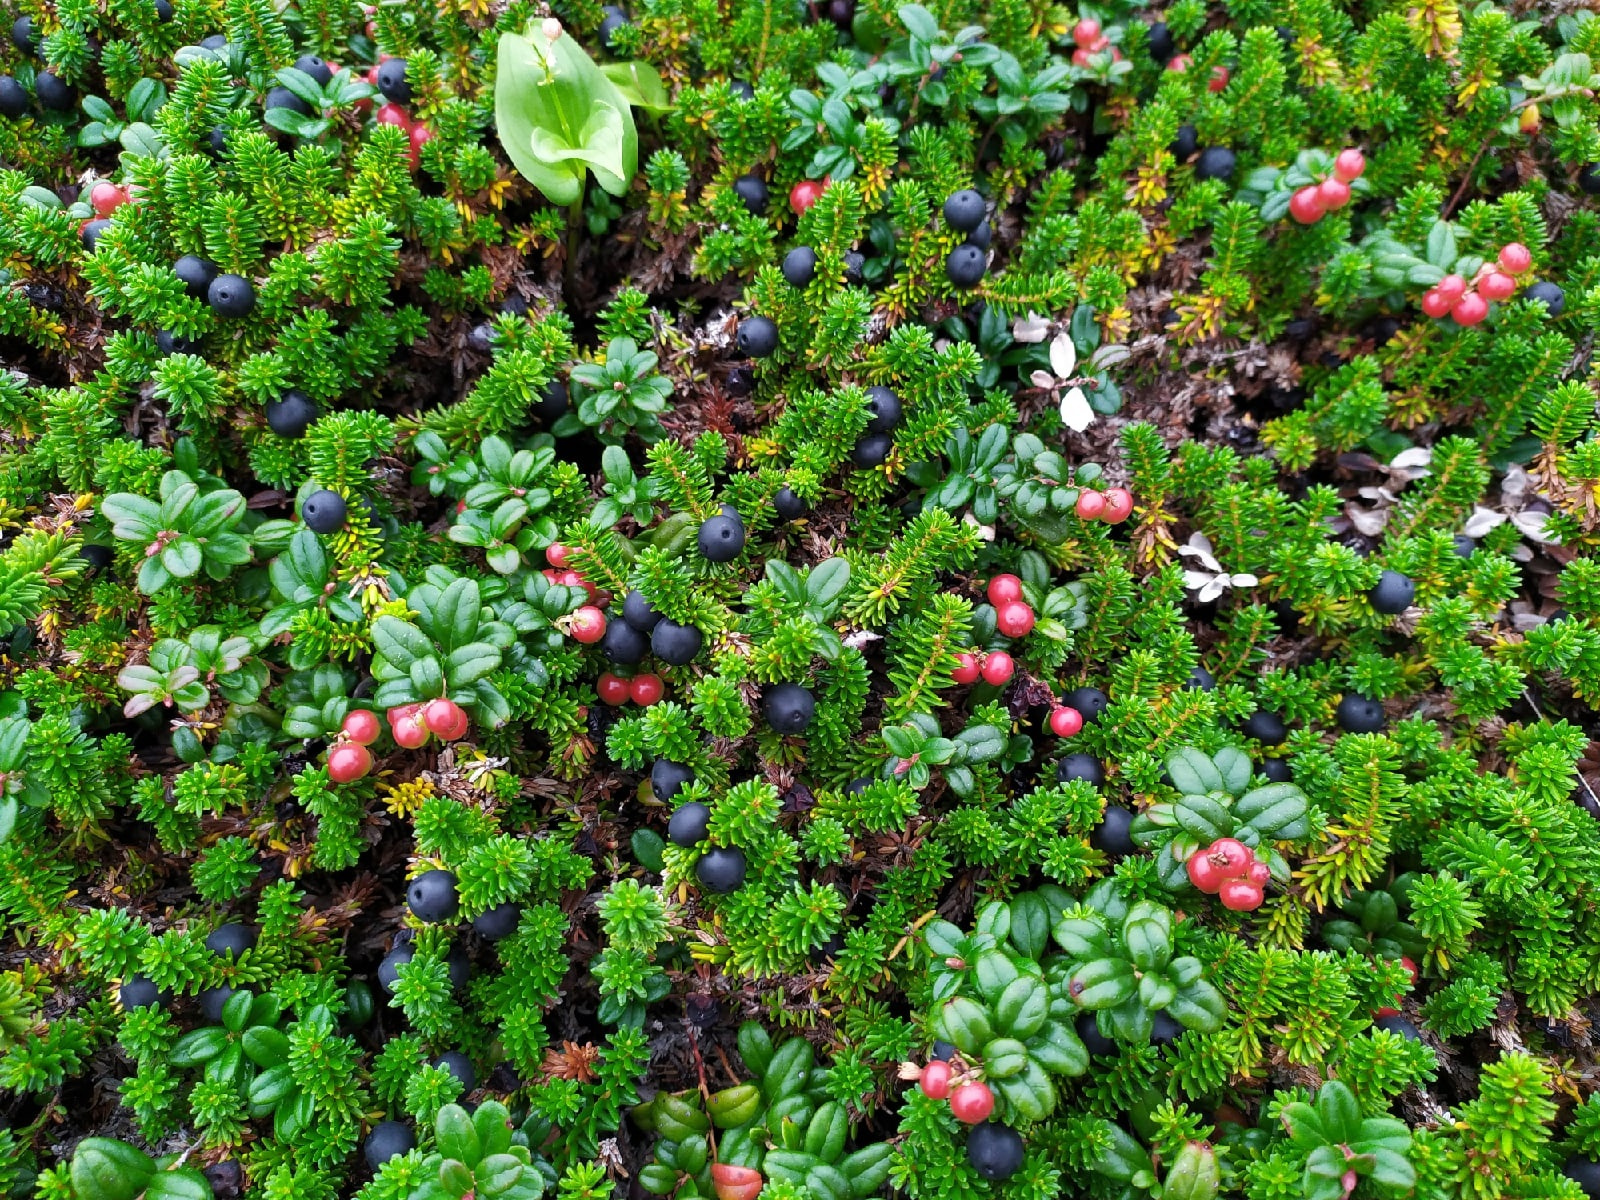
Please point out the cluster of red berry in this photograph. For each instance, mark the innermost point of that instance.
(1113, 506)
(1180, 63)
(411, 725)
(1312, 202)
(1230, 870)
(1411, 969)
(1468, 303)
(1014, 618)
(971, 1101)
(644, 690)
(392, 114)
(1089, 40)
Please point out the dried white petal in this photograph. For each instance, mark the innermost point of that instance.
(1063, 355)
(1212, 590)
(1042, 379)
(1076, 414)
(1194, 580)
(1031, 328)
(1368, 521)
(1482, 521)
(1416, 456)
(1244, 580)
(1531, 525)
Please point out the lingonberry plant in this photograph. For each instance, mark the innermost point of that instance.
(799, 601)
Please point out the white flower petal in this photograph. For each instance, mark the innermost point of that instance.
(1531, 525)
(1042, 379)
(1245, 579)
(1202, 543)
(1368, 521)
(1031, 328)
(1195, 580)
(1417, 456)
(1213, 589)
(1076, 414)
(1063, 355)
(1482, 521)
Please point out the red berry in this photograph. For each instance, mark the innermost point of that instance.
(1386, 1012)
(1232, 856)
(1204, 873)
(1530, 120)
(445, 717)
(646, 689)
(1349, 1179)
(1451, 287)
(106, 197)
(1240, 895)
(556, 555)
(1003, 589)
(421, 135)
(1259, 874)
(998, 668)
(1349, 165)
(967, 670)
(1219, 78)
(1470, 309)
(1091, 504)
(971, 1103)
(1014, 620)
(804, 194)
(588, 625)
(372, 75)
(613, 689)
(361, 726)
(393, 114)
(1435, 304)
(1334, 193)
(1515, 257)
(1496, 286)
(1305, 206)
(1411, 969)
(736, 1183)
(1119, 506)
(1082, 57)
(348, 762)
(1066, 721)
(1085, 32)
(408, 727)
(1179, 63)
(935, 1082)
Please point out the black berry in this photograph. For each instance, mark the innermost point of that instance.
(1085, 767)
(884, 406)
(1089, 701)
(995, 1151)
(1464, 546)
(230, 938)
(788, 708)
(388, 1139)
(552, 401)
(459, 1065)
(170, 343)
(636, 611)
(1112, 835)
(788, 505)
(1589, 179)
(217, 139)
(752, 189)
(965, 266)
(1159, 39)
(1357, 714)
(282, 97)
(460, 968)
(721, 869)
(1401, 1026)
(1266, 727)
(853, 263)
(666, 777)
(964, 210)
(1096, 1043)
(1200, 680)
(432, 896)
(323, 511)
(1216, 162)
(674, 644)
(54, 92)
(392, 81)
(1164, 1030)
(22, 34)
(212, 1001)
(214, 41)
(291, 415)
(196, 273)
(721, 538)
(758, 337)
(799, 265)
(139, 992)
(872, 450)
(742, 89)
(982, 236)
(90, 234)
(499, 923)
(1392, 594)
(1554, 298)
(689, 825)
(163, 11)
(97, 556)
(13, 97)
(609, 27)
(1277, 770)
(389, 968)
(1186, 144)
(231, 296)
(1585, 1173)
(739, 382)
(623, 644)
(310, 64)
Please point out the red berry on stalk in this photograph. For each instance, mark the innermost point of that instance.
(1219, 78)
(1515, 258)
(967, 669)
(971, 1103)
(998, 668)
(1451, 287)
(1349, 165)
(408, 727)
(935, 1082)
(613, 689)
(361, 726)
(1014, 620)
(1003, 589)
(1066, 721)
(803, 195)
(1119, 506)
(1496, 286)
(1091, 504)
(106, 197)
(1231, 855)
(1435, 304)
(1240, 895)
(646, 690)
(588, 625)
(445, 717)
(1470, 309)
(393, 114)
(1334, 193)
(1085, 32)
(348, 762)
(1305, 206)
